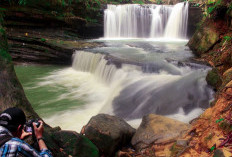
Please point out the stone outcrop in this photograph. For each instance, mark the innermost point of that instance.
(158, 130)
(108, 133)
(195, 16)
(44, 46)
(204, 39)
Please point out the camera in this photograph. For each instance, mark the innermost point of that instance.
(29, 125)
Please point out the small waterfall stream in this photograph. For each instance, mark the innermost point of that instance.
(146, 21)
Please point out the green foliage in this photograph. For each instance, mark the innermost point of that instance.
(219, 120)
(4, 53)
(138, 2)
(212, 8)
(159, 2)
(3, 40)
(196, 5)
(22, 2)
(43, 40)
(230, 7)
(209, 2)
(227, 38)
(88, 19)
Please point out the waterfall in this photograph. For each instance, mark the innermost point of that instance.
(94, 63)
(177, 23)
(96, 83)
(146, 21)
(156, 25)
(141, 93)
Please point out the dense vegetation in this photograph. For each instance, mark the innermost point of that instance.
(90, 10)
(3, 44)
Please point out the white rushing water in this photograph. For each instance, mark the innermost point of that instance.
(146, 21)
(126, 91)
(131, 78)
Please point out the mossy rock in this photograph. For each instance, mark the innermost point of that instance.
(213, 78)
(218, 153)
(203, 39)
(109, 133)
(75, 144)
(3, 45)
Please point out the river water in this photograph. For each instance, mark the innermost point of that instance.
(128, 78)
(143, 68)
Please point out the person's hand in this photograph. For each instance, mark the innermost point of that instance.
(38, 131)
(25, 134)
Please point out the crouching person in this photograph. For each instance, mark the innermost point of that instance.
(12, 122)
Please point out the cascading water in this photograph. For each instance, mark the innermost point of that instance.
(146, 21)
(177, 23)
(143, 93)
(129, 78)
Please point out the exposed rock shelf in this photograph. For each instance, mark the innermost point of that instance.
(33, 46)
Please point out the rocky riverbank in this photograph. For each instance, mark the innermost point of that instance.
(211, 132)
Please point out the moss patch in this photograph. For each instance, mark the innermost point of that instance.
(3, 42)
(213, 78)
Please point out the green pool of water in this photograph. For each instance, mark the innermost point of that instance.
(46, 99)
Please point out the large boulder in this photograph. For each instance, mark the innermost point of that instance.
(204, 39)
(156, 129)
(108, 133)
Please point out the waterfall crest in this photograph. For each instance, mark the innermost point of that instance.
(146, 21)
(95, 64)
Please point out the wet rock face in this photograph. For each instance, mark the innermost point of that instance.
(213, 78)
(194, 17)
(156, 129)
(109, 133)
(204, 39)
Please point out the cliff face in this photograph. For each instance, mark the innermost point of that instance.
(212, 42)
